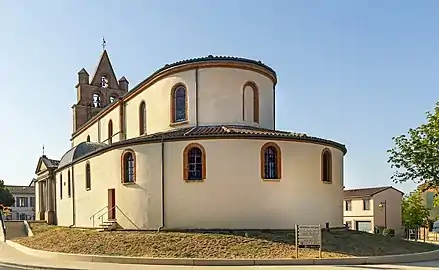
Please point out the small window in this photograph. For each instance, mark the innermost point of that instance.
(104, 81)
(349, 225)
(96, 100)
(87, 177)
(110, 132)
(112, 99)
(69, 184)
(142, 118)
(179, 106)
(128, 167)
(194, 157)
(366, 204)
(271, 161)
(88, 138)
(250, 104)
(348, 205)
(60, 186)
(31, 201)
(326, 166)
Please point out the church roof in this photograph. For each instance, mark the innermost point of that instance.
(49, 163)
(219, 58)
(79, 151)
(210, 131)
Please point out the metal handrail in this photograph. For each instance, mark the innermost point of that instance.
(117, 207)
(93, 216)
(127, 217)
(107, 212)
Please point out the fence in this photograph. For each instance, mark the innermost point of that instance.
(424, 235)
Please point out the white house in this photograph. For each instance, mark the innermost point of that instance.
(367, 208)
(24, 206)
(193, 145)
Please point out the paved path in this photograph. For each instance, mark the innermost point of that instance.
(11, 255)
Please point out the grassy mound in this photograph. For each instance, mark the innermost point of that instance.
(242, 245)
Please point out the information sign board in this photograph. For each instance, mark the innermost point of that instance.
(308, 236)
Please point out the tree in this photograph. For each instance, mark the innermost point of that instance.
(415, 156)
(6, 197)
(414, 213)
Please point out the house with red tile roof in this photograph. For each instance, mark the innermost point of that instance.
(367, 208)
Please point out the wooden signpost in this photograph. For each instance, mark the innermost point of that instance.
(308, 236)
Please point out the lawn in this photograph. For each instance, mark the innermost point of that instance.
(250, 245)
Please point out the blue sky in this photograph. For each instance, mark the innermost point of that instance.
(357, 72)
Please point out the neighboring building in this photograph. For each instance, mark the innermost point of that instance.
(193, 145)
(428, 194)
(24, 207)
(367, 208)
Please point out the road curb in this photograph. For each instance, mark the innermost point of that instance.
(388, 259)
(26, 266)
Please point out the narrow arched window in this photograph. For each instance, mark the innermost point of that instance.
(179, 104)
(110, 132)
(60, 186)
(194, 157)
(128, 167)
(87, 176)
(326, 166)
(96, 100)
(250, 102)
(69, 184)
(271, 161)
(88, 138)
(142, 118)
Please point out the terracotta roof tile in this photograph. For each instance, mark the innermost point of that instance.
(236, 130)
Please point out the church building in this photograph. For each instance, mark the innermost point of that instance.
(192, 146)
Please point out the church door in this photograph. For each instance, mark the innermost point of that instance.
(111, 203)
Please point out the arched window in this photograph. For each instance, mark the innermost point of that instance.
(112, 99)
(128, 167)
(96, 100)
(271, 161)
(88, 138)
(104, 81)
(250, 102)
(110, 132)
(69, 184)
(178, 104)
(194, 162)
(326, 166)
(87, 176)
(142, 118)
(60, 186)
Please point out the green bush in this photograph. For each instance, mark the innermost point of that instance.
(389, 232)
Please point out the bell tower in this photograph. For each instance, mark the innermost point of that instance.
(96, 94)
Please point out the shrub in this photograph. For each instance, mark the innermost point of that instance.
(379, 230)
(389, 232)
